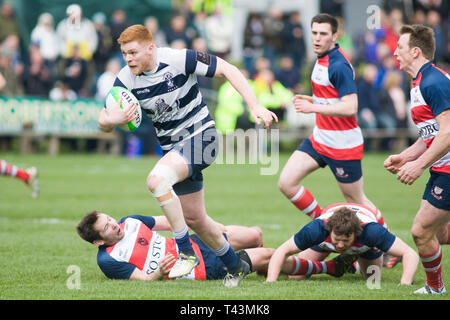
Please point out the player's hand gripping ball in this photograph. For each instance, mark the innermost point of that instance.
(112, 98)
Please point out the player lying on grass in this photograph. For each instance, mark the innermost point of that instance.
(131, 249)
(350, 229)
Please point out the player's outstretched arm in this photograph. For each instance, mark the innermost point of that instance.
(240, 83)
(410, 260)
(279, 257)
(161, 224)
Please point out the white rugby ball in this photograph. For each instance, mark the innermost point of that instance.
(128, 98)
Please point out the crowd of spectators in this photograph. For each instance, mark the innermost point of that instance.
(78, 57)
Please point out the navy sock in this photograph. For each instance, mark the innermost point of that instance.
(227, 255)
(183, 240)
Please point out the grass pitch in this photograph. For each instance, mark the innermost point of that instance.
(42, 255)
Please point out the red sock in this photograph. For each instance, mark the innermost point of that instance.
(307, 267)
(304, 201)
(432, 265)
(8, 169)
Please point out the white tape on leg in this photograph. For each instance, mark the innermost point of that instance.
(164, 192)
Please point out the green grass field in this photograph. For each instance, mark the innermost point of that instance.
(39, 244)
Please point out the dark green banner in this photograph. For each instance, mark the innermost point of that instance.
(49, 117)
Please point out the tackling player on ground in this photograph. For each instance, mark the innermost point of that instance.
(353, 230)
(430, 111)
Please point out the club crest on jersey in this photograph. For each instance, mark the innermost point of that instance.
(436, 192)
(341, 173)
(142, 241)
(162, 107)
(168, 77)
(164, 111)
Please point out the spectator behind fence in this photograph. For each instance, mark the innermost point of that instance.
(288, 75)
(199, 24)
(272, 94)
(219, 29)
(434, 22)
(376, 109)
(45, 37)
(344, 40)
(367, 97)
(294, 39)
(37, 76)
(253, 42)
(119, 22)
(75, 71)
(8, 22)
(393, 84)
(10, 84)
(273, 42)
(104, 48)
(152, 24)
(76, 31)
(62, 92)
(231, 112)
(106, 80)
(176, 30)
(12, 44)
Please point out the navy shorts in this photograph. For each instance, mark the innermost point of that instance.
(215, 268)
(345, 171)
(437, 190)
(199, 151)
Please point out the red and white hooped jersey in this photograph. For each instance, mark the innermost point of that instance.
(363, 213)
(142, 248)
(339, 138)
(430, 95)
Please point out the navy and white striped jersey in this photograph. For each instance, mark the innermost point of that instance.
(170, 94)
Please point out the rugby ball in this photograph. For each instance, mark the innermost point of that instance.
(128, 98)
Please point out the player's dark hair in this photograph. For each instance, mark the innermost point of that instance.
(326, 18)
(85, 228)
(344, 222)
(421, 37)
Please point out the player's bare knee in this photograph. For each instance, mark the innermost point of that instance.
(420, 235)
(196, 223)
(257, 236)
(268, 252)
(286, 186)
